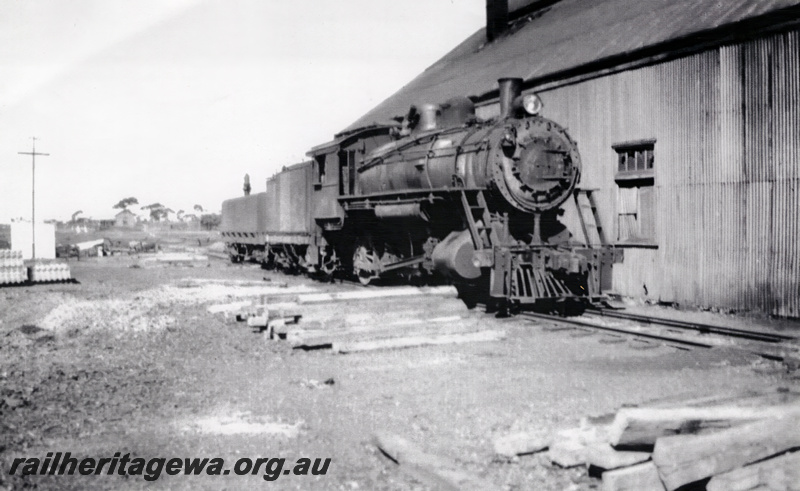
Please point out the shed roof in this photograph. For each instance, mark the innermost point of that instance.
(562, 38)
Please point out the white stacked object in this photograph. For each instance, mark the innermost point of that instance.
(22, 240)
(12, 269)
(43, 272)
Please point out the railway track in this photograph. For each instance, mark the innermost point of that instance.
(682, 334)
(583, 323)
(672, 332)
(695, 326)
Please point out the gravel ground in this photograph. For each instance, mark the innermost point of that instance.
(130, 361)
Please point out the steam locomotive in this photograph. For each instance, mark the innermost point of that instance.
(438, 194)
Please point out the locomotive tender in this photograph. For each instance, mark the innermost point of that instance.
(439, 194)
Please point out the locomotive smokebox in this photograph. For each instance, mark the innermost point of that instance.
(510, 89)
(452, 257)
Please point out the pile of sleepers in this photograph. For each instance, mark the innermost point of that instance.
(12, 268)
(733, 443)
(44, 272)
(278, 321)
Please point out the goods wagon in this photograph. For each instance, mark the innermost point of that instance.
(244, 225)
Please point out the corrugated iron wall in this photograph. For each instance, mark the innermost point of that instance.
(727, 159)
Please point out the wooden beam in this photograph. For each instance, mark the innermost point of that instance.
(603, 456)
(569, 447)
(640, 427)
(779, 473)
(685, 459)
(229, 307)
(438, 472)
(771, 397)
(376, 331)
(635, 478)
(567, 453)
(373, 293)
(520, 444)
(413, 341)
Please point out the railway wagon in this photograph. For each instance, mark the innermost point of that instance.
(272, 227)
(289, 228)
(244, 225)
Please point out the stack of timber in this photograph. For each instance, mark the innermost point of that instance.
(407, 333)
(735, 443)
(281, 321)
(45, 272)
(12, 268)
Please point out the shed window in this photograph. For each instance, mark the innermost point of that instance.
(347, 172)
(635, 179)
(320, 168)
(635, 160)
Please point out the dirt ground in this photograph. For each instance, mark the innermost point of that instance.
(129, 360)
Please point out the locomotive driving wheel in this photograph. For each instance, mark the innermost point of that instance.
(366, 263)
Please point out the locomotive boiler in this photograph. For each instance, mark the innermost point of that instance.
(442, 194)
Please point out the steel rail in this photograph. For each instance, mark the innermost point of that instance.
(695, 326)
(630, 332)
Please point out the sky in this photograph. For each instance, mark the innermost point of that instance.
(173, 101)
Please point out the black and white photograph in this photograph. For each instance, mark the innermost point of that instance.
(425, 245)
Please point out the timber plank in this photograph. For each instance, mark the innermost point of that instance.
(306, 338)
(438, 472)
(773, 397)
(685, 459)
(780, 473)
(360, 331)
(347, 337)
(640, 427)
(569, 447)
(603, 456)
(520, 444)
(567, 453)
(413, 341)
(374, 293)
(640, 477)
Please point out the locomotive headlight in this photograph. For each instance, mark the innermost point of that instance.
(532, 104)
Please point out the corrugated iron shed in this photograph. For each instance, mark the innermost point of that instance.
(572, 37)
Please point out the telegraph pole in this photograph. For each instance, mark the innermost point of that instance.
(33, 155)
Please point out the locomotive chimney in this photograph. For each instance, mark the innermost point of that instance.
(246, 187)
(496, 18)
(510, 89)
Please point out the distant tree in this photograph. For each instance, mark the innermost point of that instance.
(198, 208)
(126, 202)
(180, 215)
(75, 215)
(210, 221)
(157, 211)
(158, 214)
